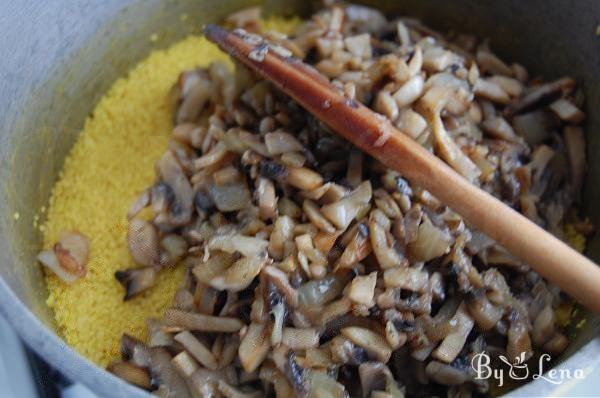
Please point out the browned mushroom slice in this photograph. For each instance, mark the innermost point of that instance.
(451, 153)
(215, 265)
(194, 89)
(267, 200)
(445, 374)
(174, 249)
(540, 96)
(136, 280)
(544, 326)
(342, 213)
(300, 338)
(143, 242)
(197, 349)
(322, 291)
(492, 64)
(303, 178)
(201, 322)
(409, 92)
(254, 346)
(204, 382)
(375, 377)
(512, 87)
(163, 370)
(72, 252)
(332, 311)
(485, 314)
(430, 242)
(248, 246)
(323, 385)
(557, 344)
(373, 342)
(229, 391)
(139, 204)
(131, 373)
(498, 127)
(230, 197)
(162, 196)
(356, 250)
(280, 281)
(454, 342)
(519, 342)
(362, 289)
(239, 275)
(489, 90)
(157, 337)
(281, 233)
(568, 112)
(386, 253)
(68, 257)
(406, 278)
(269, 374)
(311, 210)
(135, 351)
(180, 211)
(280, 142)
(185, 364)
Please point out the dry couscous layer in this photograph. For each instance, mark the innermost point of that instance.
(109, 165)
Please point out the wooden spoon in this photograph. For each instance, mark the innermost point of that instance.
(375, 135)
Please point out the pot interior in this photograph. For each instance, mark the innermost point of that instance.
(60, 60)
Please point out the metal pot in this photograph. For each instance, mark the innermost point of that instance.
(60, 56)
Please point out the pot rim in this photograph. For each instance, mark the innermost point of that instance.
(56, 352)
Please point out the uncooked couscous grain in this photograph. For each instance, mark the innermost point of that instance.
(109, 165)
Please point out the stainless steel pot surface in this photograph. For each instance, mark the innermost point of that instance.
(59, 57)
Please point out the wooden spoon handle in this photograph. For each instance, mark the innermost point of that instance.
(375, 135)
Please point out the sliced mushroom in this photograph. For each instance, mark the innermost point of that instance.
(131, 373)
(163, 370)
(362, 289)
(201, 322)
(72, 252)
(143, 242)
(373, 342)
(136, 280)
(541, 96)
(343, 212)
(180, 211)
(239, 275)
(254, 346)
(267, 200)
(453, 343)
(451, 153)
(246, 245)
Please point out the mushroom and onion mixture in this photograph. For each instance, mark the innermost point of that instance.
(312, 270)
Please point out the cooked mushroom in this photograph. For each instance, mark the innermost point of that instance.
(136, 280)
(254, 346)
(143, 242)
(541, 95)
(370, 341)
(198, 350)
(131, 373)
(163, 370)
(311, 269)
(68, 257)
(200, 322)
(180, 210)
